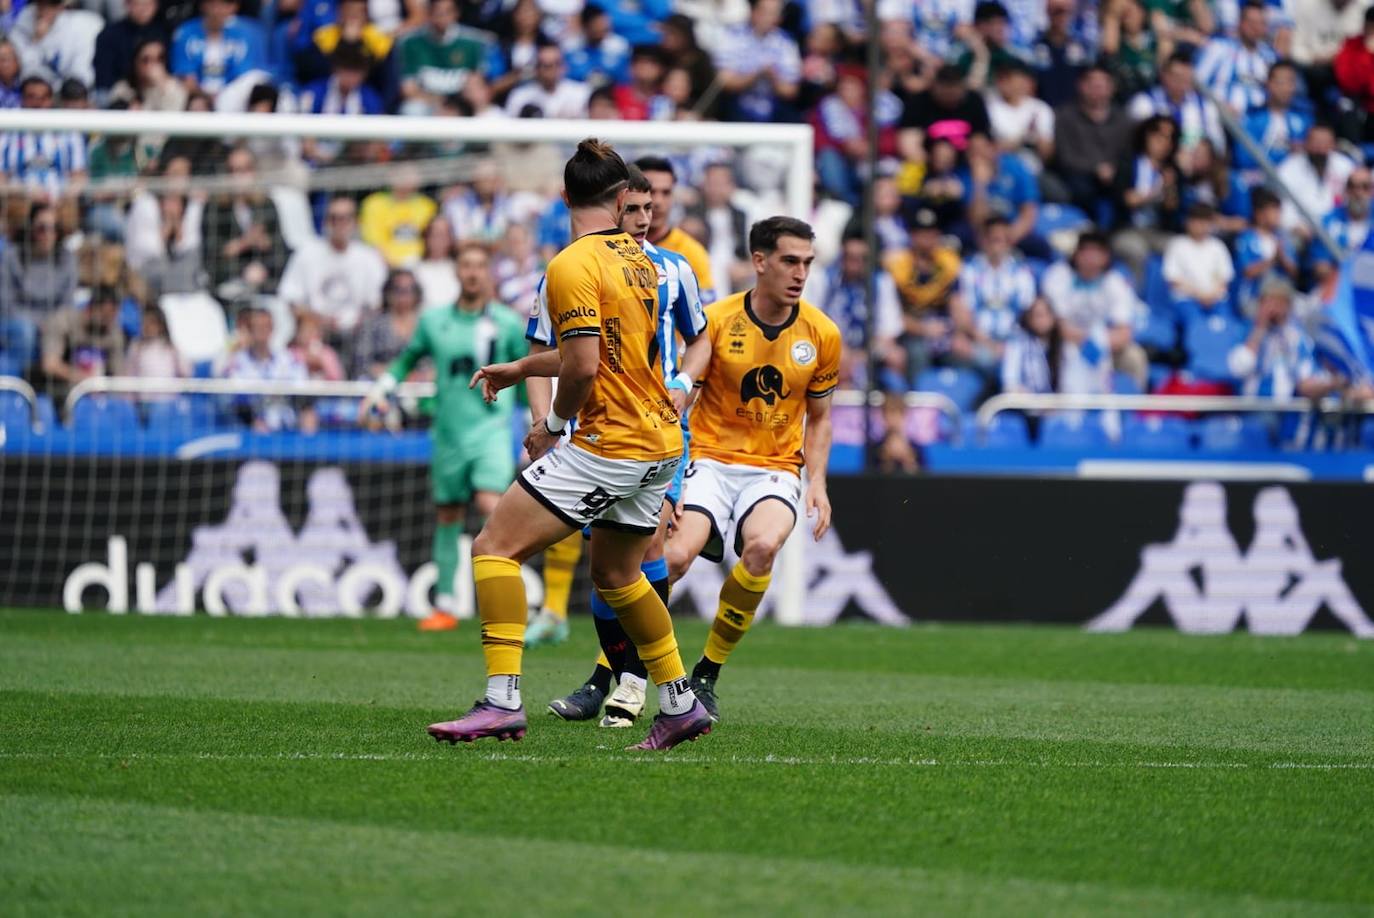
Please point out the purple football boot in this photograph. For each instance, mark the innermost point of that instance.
(670, 729)
(485, 719)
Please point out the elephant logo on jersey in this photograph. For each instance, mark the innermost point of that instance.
(764, 383)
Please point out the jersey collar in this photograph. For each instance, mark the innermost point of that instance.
(770, 332)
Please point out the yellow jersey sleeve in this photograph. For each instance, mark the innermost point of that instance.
(827, 374)
(573, 285)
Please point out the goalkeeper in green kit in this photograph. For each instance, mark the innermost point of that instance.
(473, 460)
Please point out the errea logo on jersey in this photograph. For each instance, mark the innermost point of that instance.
(803, 352)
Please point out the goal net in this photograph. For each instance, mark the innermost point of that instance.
(193, 305)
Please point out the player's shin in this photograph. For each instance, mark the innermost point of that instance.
(645, 619)
(501, 606)
(615, 644)
(740, 596)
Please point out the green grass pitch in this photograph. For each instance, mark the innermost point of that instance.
(159, 766)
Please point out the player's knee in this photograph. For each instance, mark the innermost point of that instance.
(759, 553)
(679, 560)
(612, 573)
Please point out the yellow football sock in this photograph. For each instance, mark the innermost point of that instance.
(501, 606)
(739, 601)
(560, 562)
(645, 619)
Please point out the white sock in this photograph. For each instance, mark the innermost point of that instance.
(675, 697)
(504, 691)
(444, 603)
(634, 681)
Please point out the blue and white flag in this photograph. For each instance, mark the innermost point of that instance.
(1344, 332)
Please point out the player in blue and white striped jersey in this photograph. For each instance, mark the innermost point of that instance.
(681, 320)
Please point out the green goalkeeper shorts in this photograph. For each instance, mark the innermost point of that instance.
(460, 469)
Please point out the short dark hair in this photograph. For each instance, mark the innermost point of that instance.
(1286, 63)
(602, 93)
(764, 235)
(1262, 197)
(988, 10)
(1180, 57)
(34, 78)
(1093, 238)
(106, 294)
(638, 183)
(590, 12)
(949, 75)
(264, 92)
(350, 57)
(993, 221)
(595, 174)
(656, 164)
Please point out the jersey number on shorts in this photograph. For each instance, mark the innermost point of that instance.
(595, 501)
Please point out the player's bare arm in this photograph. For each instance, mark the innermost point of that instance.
(696, 357)
(541, 362)
(539, 389)
(816, 448)
(581, 355)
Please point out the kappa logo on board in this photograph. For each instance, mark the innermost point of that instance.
(1208, 585)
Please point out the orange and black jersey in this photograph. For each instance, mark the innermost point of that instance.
(603, 284)
(753, 398)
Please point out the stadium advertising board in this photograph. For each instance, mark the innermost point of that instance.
(162, 536)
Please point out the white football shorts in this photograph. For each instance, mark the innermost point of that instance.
(727, 494)
(582, 489)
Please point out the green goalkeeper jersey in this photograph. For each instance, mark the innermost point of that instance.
(460, 342)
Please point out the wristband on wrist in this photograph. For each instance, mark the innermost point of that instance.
(681, 381)
(554, 424)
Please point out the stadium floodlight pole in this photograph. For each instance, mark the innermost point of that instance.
(870, 223)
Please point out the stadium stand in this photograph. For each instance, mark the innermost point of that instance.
(1089, 137)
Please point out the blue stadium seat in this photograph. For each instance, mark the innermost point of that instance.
(1124, 384)
(1159, 333)
(1208, 339)
(46, 412)
(1007, 430)
(104, 414)
(1056, 218)
(14, 411)
(186, 414)
(1229, 433)
(1155, 290)
(1075, 430)
(962, 386)
(1157, 432)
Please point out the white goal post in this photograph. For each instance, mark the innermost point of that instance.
(796, 190)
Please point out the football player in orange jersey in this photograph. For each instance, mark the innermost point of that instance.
(602, 294)
(763, 411)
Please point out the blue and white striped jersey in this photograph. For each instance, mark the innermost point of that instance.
(42, 159)
(679, 308)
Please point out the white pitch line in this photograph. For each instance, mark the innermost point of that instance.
(783, 760)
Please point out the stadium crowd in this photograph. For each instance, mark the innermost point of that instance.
(1060, 206)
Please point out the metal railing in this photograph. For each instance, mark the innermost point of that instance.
(136, 385)
(25, 391)
(1199, 404)
(310, 388)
